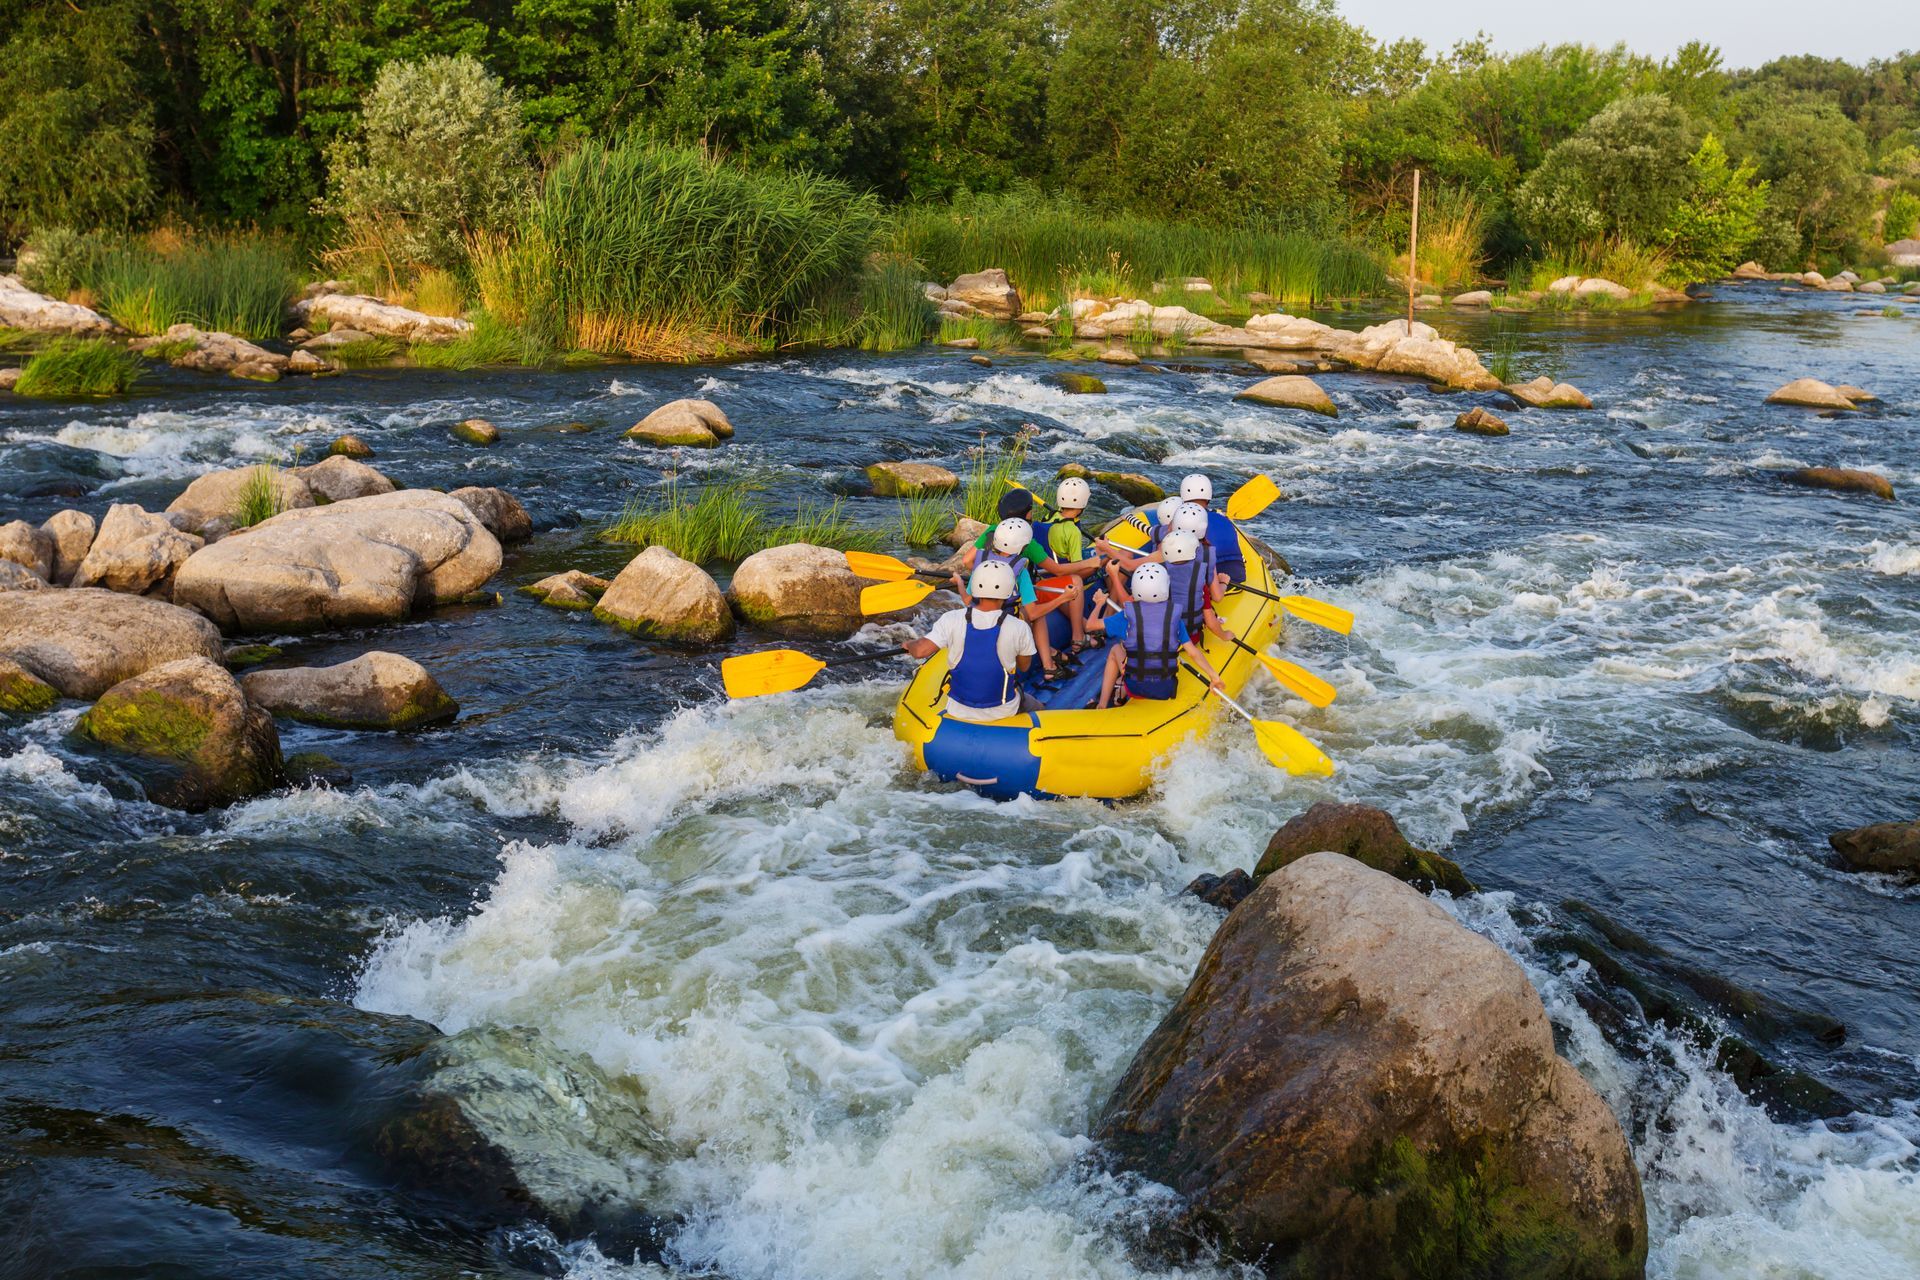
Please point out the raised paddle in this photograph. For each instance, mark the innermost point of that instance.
(1251, 498)
(1293, 676)
(1283, 745)
(891, 597)
(754, 675)
(1305, 608)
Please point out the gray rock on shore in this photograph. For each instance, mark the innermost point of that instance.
(658, 594)
(84, 641)
(190, 717)
(22, 308)
(216, 352)
(1355, 1085)
(135, 551)
(366, 560)
(376, 690)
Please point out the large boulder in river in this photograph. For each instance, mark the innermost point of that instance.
(1892, 847)
(497, 509)
(72, 533)
(1810, 393)
(1355, 1085)
(1290, 391)
(1369, 836)
(797, 590)
(659, 594)
(191, 719)
(22, 308)
(1842, 480)
(351, 563)
(135, 551)
(221, 495)
(697, 423)
(987, 292)
(28, 546)
(373, 691)
(1544, 393)
(84, 641)
(338, 478)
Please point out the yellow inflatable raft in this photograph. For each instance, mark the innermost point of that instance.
(1071, 751)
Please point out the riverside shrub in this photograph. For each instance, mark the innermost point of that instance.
(1622, 174)
(1713, 228)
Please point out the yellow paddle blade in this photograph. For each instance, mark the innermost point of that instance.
(1251, 498)
(890, 597)
(871, 564)
(1299, 680)
(1319, 613)
(753, 675)
(1290, 749)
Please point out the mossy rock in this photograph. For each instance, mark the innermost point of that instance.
(910, 479)
(1367, 835)
(477, 431)
(250, 655)
(1130, 486)
(1080, 384)
(350, 446)
(189, 716)
(317, 769)
(22, 693)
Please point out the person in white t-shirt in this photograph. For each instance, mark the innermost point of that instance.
(987, 647)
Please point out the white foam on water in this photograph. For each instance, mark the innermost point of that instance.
(1896, 559)
(170, 443)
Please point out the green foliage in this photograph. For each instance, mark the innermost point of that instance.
(363, 352)
(489, 342)
(75, 126)
(925, 519)
(1622, 174)
(991, 471)
(1814, 160)
(259, 497)
(1709, 232)
(438, 159)
(1903, 216)
(727, 521)
(895, 312)
(170, 349)
(657, 251)
(74, 367)
(58, 261)
(989, 334)
(238, 284)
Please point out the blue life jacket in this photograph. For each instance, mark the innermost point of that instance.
(979, 680)
(1189, 583)
(1153, 655)
(1225, 539)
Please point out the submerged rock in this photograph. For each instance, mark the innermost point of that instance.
(697, 423)
(1892, 847)
(910, 479)
(570, 590)
(338, 478)
(659, 594)
(84, 641)
(22, 308)
(476, 431)
(219, 495)
(1810, 393)
(1079, 384)
(1291, 391)
(1355, 1085)
(135, 552)
(506, 1121)
(1226, 892)
(350, 563)
(191, 717)
(1843, 480)
(28, 546)
(22, 693)
(798, 590)
(1480, 422)
(72, 533)
(376, 690)
(498, 510)
(1367, 835)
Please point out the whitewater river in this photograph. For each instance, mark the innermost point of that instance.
(1609, 659)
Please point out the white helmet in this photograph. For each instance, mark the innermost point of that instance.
(1179, 547)
(1151, 585)
(1011, 536)
(1167, 507)
(1196, 488)
(1072, 495)
(991, 580)
(1191, 519)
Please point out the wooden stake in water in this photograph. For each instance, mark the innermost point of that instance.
(1413, 251)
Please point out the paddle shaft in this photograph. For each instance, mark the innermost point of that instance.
(1221, 693)
(871, 655)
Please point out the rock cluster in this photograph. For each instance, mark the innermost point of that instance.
(381, 319)
(215, 352)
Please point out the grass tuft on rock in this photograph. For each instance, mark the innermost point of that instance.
(729, 521)
(75, 367)
(259, 497)
(925, 519)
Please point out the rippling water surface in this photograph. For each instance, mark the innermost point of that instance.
(1610, 659)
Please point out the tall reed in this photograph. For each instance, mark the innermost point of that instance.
(72, 367)
(728, 520)
(238, 284)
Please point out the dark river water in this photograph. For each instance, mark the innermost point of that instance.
(1608, 660)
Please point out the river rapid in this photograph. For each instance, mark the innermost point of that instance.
(1610, 659)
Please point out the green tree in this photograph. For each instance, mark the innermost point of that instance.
(1622, 174)
(1710, 230)
(438, 158)
(76, 126)
(1814, 158)
(1903, 216)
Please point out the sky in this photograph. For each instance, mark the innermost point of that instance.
(1748, 32)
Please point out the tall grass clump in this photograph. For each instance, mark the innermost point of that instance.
(61, 262)
(925, 518)
(895, 312)
(238, 284)
(74, 367)
(988, 333)
(1453, 230)
(489, 342)
(661, 252)
(1052, 248)
(259, 497)
(990, 473)
(1615, 258)
(729, 521)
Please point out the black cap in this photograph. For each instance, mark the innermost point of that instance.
(1016, 502)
